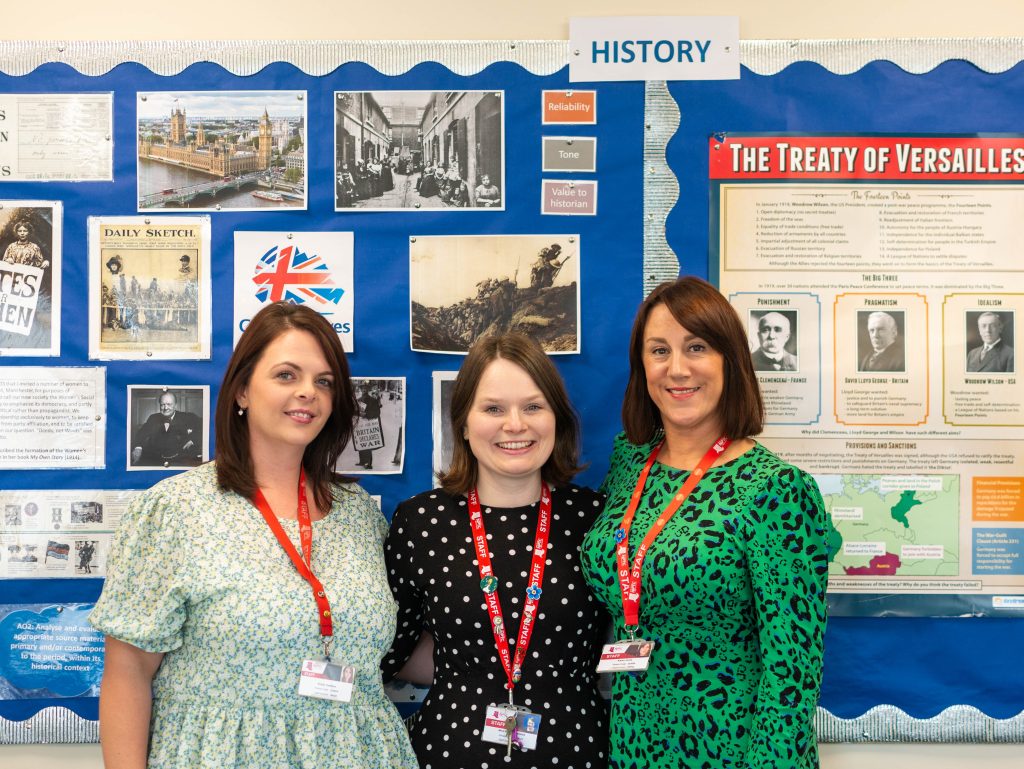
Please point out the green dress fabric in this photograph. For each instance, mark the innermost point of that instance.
(733, 593)
(195, 572)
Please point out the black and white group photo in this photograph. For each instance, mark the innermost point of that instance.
(402, 150)
(465, 286)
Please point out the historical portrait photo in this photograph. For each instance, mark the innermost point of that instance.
(773, 339)
(880, 341)
(86, 557)
(466, 286)
(419, 150)
(222, 150)
(168, 427)
(989, 336)
(377, 446)
(30, 269)
(441, 403)
(149, 285)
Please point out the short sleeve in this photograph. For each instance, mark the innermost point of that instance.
(788, 562)
(399, 559)
(144, 601)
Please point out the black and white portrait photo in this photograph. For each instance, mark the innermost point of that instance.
(440, 408)
(773, 335)
(30, 269)
(419, 150)
(463, 287)
(880, 341)
(989, 336)
(168, 427)
(377, 446)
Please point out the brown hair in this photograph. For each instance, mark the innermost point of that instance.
(525, 352)
(234, 462)
(702, 310)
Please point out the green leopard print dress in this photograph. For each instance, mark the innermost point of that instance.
(733, 593)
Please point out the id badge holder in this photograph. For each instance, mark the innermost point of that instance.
(326, 680)
(623, 656)
(527, 730)
(496, 718)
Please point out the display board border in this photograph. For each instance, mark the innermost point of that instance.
(884, 723)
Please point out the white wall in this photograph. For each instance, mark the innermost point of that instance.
(523, 20)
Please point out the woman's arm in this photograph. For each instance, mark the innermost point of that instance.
(788, 561)
(420, 667)
(126, 703)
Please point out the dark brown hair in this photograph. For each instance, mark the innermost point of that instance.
(702, 310)
(234, 462)
(525, 352)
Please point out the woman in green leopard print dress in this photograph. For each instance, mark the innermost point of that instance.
(733, 589)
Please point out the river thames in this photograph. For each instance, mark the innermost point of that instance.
(155, 176)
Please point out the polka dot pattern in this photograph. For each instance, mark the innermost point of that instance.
(558, 681)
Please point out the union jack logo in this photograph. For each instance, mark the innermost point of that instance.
(289, 273)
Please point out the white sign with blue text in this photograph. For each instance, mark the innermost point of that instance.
(654, 48)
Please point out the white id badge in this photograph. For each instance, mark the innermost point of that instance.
(495, 719)
(625, 655)
(327, 680)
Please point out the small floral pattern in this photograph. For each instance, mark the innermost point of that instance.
(195, 572)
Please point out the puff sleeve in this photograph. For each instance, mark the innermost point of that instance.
(144, 597)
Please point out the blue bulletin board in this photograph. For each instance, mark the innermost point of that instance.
(885, 677)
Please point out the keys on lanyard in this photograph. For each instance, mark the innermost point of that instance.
(510, 733)
(501, 722)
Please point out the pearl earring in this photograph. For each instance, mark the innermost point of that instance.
(241, 411)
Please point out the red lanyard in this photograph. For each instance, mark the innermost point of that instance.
(629, 579)
(303, 564)
(489, 584)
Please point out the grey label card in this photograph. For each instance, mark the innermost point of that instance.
(569, 153)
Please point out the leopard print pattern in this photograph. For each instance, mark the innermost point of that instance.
(733, 594)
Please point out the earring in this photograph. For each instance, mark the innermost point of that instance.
(241, 411)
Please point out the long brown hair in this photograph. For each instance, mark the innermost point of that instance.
(234, 461)
(563, 464)
(702, 310)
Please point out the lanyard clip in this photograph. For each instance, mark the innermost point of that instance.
(631, 631)
(511, 704)
(328, 641)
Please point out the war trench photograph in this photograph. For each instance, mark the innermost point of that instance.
(463, 287)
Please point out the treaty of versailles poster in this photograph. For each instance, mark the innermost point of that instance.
(879, 278)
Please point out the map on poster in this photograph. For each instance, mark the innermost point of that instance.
(894, 526)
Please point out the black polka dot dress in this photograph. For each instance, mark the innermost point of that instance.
(436, 581)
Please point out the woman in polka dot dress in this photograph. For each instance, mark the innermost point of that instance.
(517, 435)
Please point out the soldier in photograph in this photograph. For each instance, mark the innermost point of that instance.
(545, 269)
